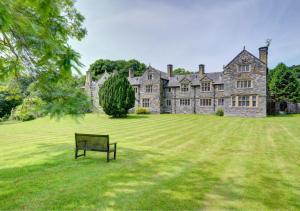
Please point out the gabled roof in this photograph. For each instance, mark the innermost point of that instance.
(216, 77)
(163, 75)
(195, 78)
(244, 50)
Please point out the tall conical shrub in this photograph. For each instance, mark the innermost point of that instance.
(116, 96)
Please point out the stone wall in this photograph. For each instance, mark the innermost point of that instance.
(257, 75)
(154, 96)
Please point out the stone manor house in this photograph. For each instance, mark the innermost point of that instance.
(240, 89)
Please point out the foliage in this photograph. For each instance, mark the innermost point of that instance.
(142, 110)
(121, 66)
(33, 38)
(10, 97)
(220, 112)
(283, 84)
(296, 69)
(116, 96)
(30, 109)
(181, 71)
(62, 97)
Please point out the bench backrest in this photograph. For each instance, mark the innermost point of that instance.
(91, 141)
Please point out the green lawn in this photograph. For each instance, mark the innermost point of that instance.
(163, 162)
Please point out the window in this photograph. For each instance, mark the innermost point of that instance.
(135, 89)
(244, 84)
(168, 102)
(184, 87)
(146, 103)
(244, 68)
(244, 101)
(169, 89)
(254, 101)
(205, 102)
(149, 76)
(220, 101)
(148, 88)
(220, 87)
(233, 101)
(205, 86)
(184, 102)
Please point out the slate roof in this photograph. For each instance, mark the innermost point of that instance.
(174, 81)
(216, 77)
(134, 80)
(195, 78)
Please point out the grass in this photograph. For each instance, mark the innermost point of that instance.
(164, 162)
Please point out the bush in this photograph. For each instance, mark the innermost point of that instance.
(30, 109)
(142, 110)
(116, 96)
(220, 112)
(10, 97)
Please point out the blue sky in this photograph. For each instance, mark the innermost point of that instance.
(186, 33)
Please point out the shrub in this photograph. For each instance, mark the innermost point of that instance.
(10, 97)
(30, 109)
(116, 96)
(220, 112)
(142, 110)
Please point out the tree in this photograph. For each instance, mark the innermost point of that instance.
(283, 85)
(116, 96)
(181, 71)
(296, 68)
(34, 38)
(10, 97)
(121, 66)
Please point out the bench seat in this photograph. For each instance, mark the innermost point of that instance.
(93, 142)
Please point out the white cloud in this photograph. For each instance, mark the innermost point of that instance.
(186, 33)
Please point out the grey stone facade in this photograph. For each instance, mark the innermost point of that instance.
(240, 89)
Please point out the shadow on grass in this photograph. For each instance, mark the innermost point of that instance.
(138, 179)
(131, 116)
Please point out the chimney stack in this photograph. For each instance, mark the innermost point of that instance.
(131, 73)
(201, 69)
(263, 54)
(170, 70)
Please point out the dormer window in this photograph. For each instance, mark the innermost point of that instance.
(184, 87)
(244, 68)
(149, 76)
(205, 86)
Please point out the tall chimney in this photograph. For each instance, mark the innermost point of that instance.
(201, 69)
(170, 70)
(131, 73)
(263, 54)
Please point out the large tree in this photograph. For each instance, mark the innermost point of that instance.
(116, 96)
(121, 66)
(283, 84)
(34, 38)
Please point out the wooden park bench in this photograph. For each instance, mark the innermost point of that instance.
(91, 142)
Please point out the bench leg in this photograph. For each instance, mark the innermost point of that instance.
(115, 153)
(107, 156)
(84, 153)
(76, 153)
